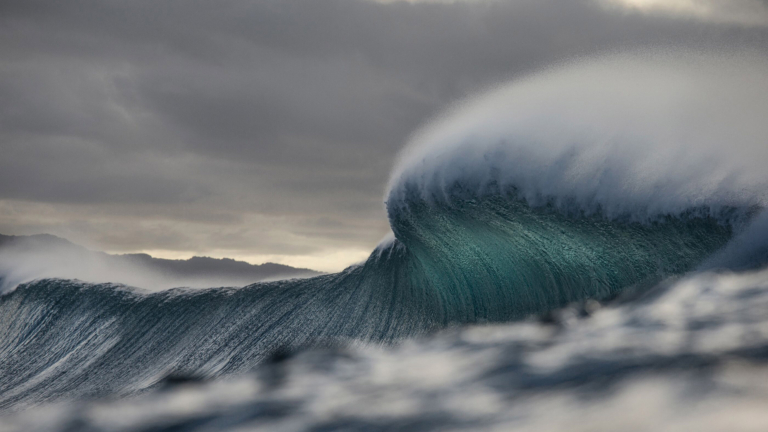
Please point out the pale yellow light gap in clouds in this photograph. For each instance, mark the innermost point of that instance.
(743, 12)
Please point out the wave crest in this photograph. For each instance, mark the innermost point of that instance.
(632, 136)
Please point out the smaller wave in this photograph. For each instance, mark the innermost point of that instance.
(748, 250)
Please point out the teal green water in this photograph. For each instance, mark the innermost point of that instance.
(496, 258)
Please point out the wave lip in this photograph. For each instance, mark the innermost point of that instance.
(639, 136)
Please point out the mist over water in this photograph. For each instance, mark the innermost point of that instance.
(23, 266)
(24, 259)
(590, 184)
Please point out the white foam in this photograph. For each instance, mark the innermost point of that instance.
(643, 134)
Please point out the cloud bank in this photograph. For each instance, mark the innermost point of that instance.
(265, 130)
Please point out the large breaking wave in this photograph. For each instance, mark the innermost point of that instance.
(583, 182)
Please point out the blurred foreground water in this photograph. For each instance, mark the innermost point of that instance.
(689, 355)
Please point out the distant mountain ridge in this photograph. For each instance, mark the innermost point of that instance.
(35, 240)
(202, 265)
(46, 255)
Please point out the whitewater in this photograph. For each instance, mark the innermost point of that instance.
(583, 240)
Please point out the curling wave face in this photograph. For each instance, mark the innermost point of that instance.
(579, 183)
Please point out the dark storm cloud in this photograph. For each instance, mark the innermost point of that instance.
(285, 108)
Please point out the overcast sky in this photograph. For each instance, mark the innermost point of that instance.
(265, 130)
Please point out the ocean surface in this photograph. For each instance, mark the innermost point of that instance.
(581, 249)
